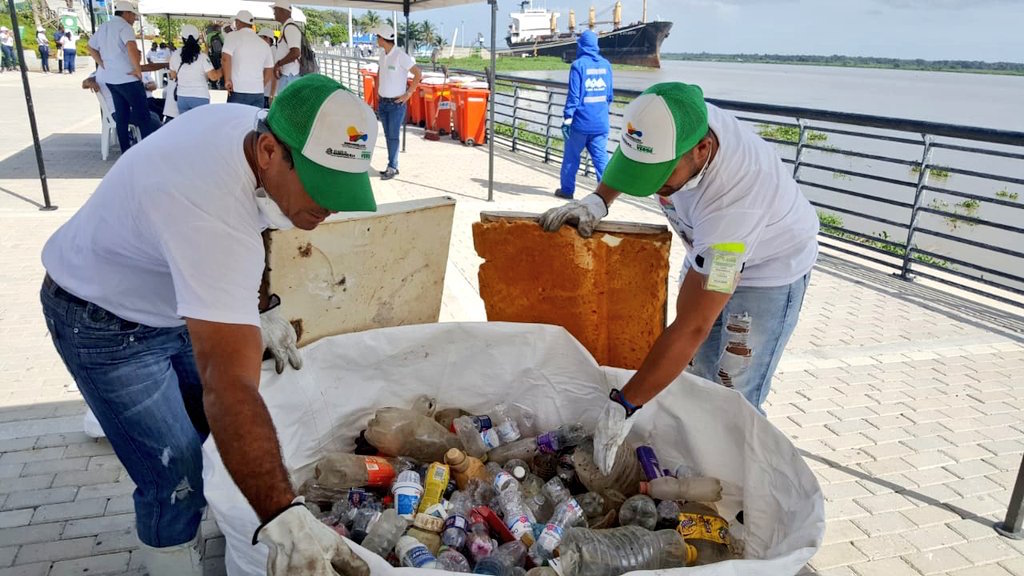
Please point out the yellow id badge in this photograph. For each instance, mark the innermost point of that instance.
(726, 264)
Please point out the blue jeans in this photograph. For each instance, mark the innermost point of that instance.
(132, 108)
(186, 103)
(69, 61)
(143, 386)
(284, 81)
(8, 56)
(746, 342)
(248, 99)
(44, 57)
(391, 117)
(596, 144)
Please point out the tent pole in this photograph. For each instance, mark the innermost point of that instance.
(92, 17)
(31, 108)
(351, 32)
(494, 93)
(405, 7)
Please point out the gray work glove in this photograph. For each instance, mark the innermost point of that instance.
(302, 545)
(585, 214)
(279, 337)
(566, 128)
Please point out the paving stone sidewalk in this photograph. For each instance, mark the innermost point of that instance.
(905, 400)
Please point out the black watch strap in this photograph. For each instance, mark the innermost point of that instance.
(256, 534)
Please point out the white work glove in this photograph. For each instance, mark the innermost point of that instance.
(279, 337)
(585, 214)
(302, 545)
(612, 428)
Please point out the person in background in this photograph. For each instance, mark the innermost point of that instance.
(248, 63)
(7, 46)
(585, 123)
(191, 69)
(393, 70)
(162, 53)
(289, 47)
(57, 35)
(119, 66)
(268, 90)
(153, 54)
(69, 44)
(44, 48)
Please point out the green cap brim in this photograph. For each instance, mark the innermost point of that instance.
(333, 189)
(636, 178)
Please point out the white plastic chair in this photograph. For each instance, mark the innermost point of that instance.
(108, 128)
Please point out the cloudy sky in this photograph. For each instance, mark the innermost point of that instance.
(932, 29)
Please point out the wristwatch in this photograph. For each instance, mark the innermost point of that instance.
(619, 398)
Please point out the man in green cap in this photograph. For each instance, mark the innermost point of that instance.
(153, 299)
(751, 240)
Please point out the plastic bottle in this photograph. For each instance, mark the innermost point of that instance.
(566, 469)
(648, 462)
(344, 471)
(408, 491)
(668, 515)
(386, 531)
(585, 552)
(567, 513)
(478, 541)
(526, 418)
(592, 504)
(401, 432)
(505, 423)
(413, 554)
(518, 517)
(545, 466)
(424, 404)
(705, 531)
(565, 436)
(640, 511)
(683, 489)
(510, 466)
(365, 517)
(533, 494)
(452, 560)
(508, 556)
(427, 529)
(542, 571)
(456, 525)
(436, 481)
(446, 416)
(464, 468)
(624, 476)
(482, 493)
(523, 449)
(556, 491)
(477, 443)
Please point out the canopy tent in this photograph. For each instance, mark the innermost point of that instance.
(213, 9)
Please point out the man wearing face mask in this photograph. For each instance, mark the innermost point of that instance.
(153, 296)
(751, 239)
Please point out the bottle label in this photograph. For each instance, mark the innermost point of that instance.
(357, 497)
(419, 556)
(648, 462)
(508, 431)
(501, 479)
(701, 527)
(456, 521)
(547, 443)
(405, 504)
(520, 526)
(379, 471)
(550, 537)
(490, 438)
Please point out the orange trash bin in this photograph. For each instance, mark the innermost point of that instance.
(473, 114)
(457, 104)
(437, 107)
(415, 107)
(369, 87)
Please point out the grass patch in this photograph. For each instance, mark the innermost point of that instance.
(522, 133)
(968, 207)
(790, 134)
(937, 172)
(1007, 195)
(832, 225)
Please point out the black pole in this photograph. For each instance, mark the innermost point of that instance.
(31, 108)
(1011, 526)
(494, 95)
(92, 17)
(405, 125)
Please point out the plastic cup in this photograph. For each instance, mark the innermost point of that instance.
(408, 492)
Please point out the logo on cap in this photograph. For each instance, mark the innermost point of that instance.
(354, 135)
(635, 138)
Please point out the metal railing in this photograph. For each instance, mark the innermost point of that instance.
(937, 201)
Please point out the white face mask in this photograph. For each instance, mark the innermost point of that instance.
(271, 212)
(695, 181)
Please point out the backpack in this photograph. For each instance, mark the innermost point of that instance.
(307, 58)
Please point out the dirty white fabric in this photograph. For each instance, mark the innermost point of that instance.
(748, 196)
(695, 421)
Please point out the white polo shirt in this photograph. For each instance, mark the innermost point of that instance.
(393, 72)
(291, 37)
(110, 40)
(173, 230)
(748, 196)
(250, 54)
(192, 79)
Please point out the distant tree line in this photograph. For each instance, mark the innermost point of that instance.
(856, 62)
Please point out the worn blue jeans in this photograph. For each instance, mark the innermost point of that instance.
(596, 144)
(245, 98)
(143, 386)
(132, 108)
(44, 57)
(746, 342)
(391, 117)
(186, 103)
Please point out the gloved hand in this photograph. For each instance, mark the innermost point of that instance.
(301, 544)
(566, 128)
(612, 428)
(279, 337)
(585, 214)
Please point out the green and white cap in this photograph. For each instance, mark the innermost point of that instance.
(331, 133)
(666, 121)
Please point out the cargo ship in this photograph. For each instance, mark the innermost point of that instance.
(534, 32)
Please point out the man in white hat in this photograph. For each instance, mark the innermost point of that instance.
(394, 91)
(119, 66)
(247, 61)
(7, 46)
(153, 298)
(44, 48)
(289, 46)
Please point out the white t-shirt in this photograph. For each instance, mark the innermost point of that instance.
(748, 196)
(67, 43)
(192, 81)
(278, 51)
(173, 230)
(110, 40)
(42, 39)
(7, 39)
(162, 55)
(393, 70)
(250, 54)
(152, 55)
(291, 37)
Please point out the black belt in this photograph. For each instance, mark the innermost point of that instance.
(55, 289)
(391, 100)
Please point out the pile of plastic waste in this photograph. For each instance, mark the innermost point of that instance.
(487, 494)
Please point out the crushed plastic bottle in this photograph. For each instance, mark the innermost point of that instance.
(402, 432)
(413, 554)
(465, 468)
(526, 418)
(683, 489)
(542, 571)
(424, 404)
(344, 471)
(505, 423)
(545, 466)
(668, 515)
(585, 552)
(367, 514)
(384, 534)
(477, 443)
(446, 417)
(482, 493)
(592, 504)
(567, 513)
(518, 516)
(456, 525)
(523, 449)
(479, 543)
(624, 476)
(453, 561)
(566, 469)
(640, 511)
(556, 491)
(706, 532)
(565, 436)
(501, 563)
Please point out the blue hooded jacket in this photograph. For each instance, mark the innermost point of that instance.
(590, 88)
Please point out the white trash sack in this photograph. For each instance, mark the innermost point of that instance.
(322, 408)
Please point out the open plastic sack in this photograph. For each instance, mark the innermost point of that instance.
(322, 408)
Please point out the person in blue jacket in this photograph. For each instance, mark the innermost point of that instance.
(585, 123)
